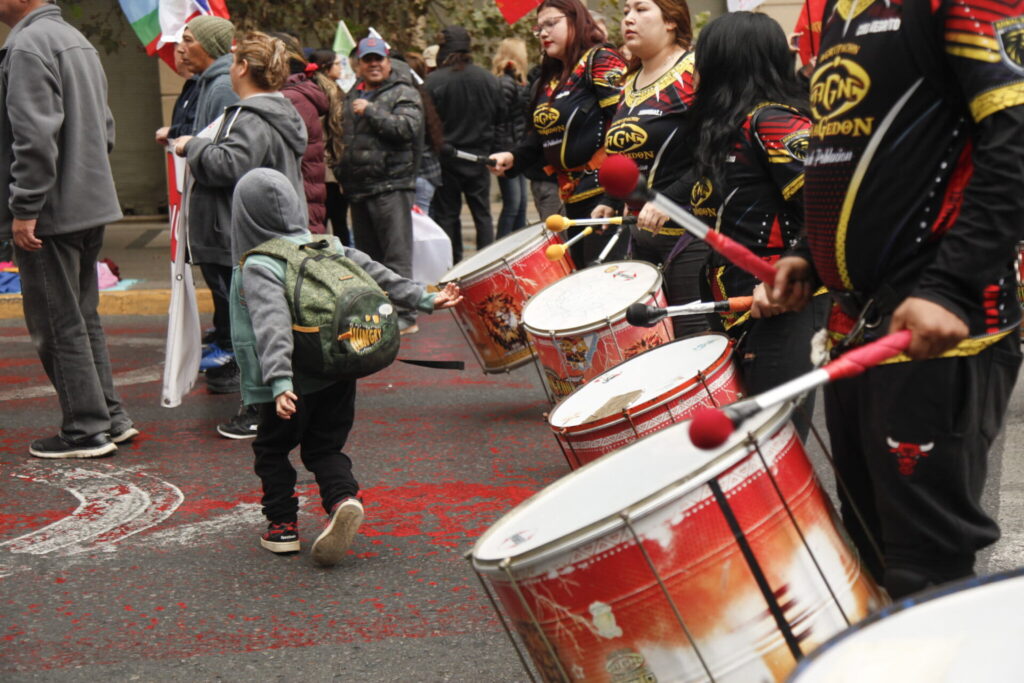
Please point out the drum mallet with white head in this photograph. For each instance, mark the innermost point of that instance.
(712, 426)
(642, 315)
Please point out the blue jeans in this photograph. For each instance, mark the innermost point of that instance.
(424, 194)
(60, 294)
(513, 205)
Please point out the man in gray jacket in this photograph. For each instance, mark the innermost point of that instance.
(58, 194)
(382, 128)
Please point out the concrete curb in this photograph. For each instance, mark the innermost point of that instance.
(130, 302)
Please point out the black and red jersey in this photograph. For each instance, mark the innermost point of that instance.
(759, 201)
(648, 126)
(913, 172)
(570, 118)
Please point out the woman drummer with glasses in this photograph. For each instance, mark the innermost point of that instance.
(573, 101)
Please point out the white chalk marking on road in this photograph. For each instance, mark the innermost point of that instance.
(149, 373)
(243, 515)
(114, 503)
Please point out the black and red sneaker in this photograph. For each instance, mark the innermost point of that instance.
(281, 537)
(330, 546)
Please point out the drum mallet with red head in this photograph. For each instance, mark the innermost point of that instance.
(642, 315)
(712, 426)
(557, 251)
(557, 223)
(621, 178)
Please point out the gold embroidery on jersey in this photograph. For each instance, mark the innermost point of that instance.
(837, 86)
(997, 99)
(975, 53)
(968, 347)
(625, 136)
(1010, 35)
(544, 119)
(585, 195)
(848, 9)
(633, 97)
(792, 187)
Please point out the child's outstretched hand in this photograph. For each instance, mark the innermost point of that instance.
(285, 403)
(448, 297)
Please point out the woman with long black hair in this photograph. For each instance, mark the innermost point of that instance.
(750, 124)
(649, 127)
(572, 103)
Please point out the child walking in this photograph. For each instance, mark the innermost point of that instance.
(315, 413)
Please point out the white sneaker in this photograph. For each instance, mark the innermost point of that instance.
(330, 546)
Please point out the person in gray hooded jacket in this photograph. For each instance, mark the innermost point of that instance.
(57, 195)
(314, 412)
(261, 130)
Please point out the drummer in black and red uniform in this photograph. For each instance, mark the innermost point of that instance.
(750, 124)
(575, 97)
(914, 194)
(648, 127)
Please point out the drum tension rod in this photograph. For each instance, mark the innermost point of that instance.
(752, 443)
(624, 515)
(704, 383)
(755, 569)
(505, 566)
(501, 617)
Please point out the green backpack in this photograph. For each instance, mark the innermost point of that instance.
(343, 324)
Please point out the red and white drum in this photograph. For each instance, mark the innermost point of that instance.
(644, 394)
(578, 325)
(968, 631)
(664, 562)
(495, 283)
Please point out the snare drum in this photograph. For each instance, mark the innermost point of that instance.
(665, 562)
(578, 325)
(495, 283)
(968, 631)
(644, 394)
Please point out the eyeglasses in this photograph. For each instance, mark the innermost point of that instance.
(547, 25)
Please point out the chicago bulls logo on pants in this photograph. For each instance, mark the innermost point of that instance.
(907, 454)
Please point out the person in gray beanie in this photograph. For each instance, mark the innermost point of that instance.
(205, 50)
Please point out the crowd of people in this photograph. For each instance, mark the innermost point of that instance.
(888, 204)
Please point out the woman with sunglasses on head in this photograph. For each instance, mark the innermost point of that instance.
(648, 127)
(572, 103)
(750, 124)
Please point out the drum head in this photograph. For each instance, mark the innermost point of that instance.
(493, 253)
(640, 379)
(639, 478)
(969, 631)
(589, 296)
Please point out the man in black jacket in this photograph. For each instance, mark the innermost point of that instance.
(468, 100)
(382, 130)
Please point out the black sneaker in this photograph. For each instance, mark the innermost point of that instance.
(330, 546)
(241, 426)
(224, 379)
(124, 434)
(281, 538)
(58, 447)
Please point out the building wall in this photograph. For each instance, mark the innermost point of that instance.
(134, 98)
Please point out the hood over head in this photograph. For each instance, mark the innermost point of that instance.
(280, 113)
(264, 206)
(455, 39)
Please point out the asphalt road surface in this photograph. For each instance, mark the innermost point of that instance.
(147, 566)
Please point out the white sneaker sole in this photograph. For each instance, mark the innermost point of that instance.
(330, 546)
(230, 435)
(281, 546)
(97, 452)
(126, 435)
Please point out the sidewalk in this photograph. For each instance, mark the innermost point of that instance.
(140, 246)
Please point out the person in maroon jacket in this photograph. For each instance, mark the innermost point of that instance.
(913, 205)
(312, 103)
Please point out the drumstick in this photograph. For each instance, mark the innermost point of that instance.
(557, 251)
(712, 426)
(621, 178)
(557, 223)
(608, 247)
(641, 315)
